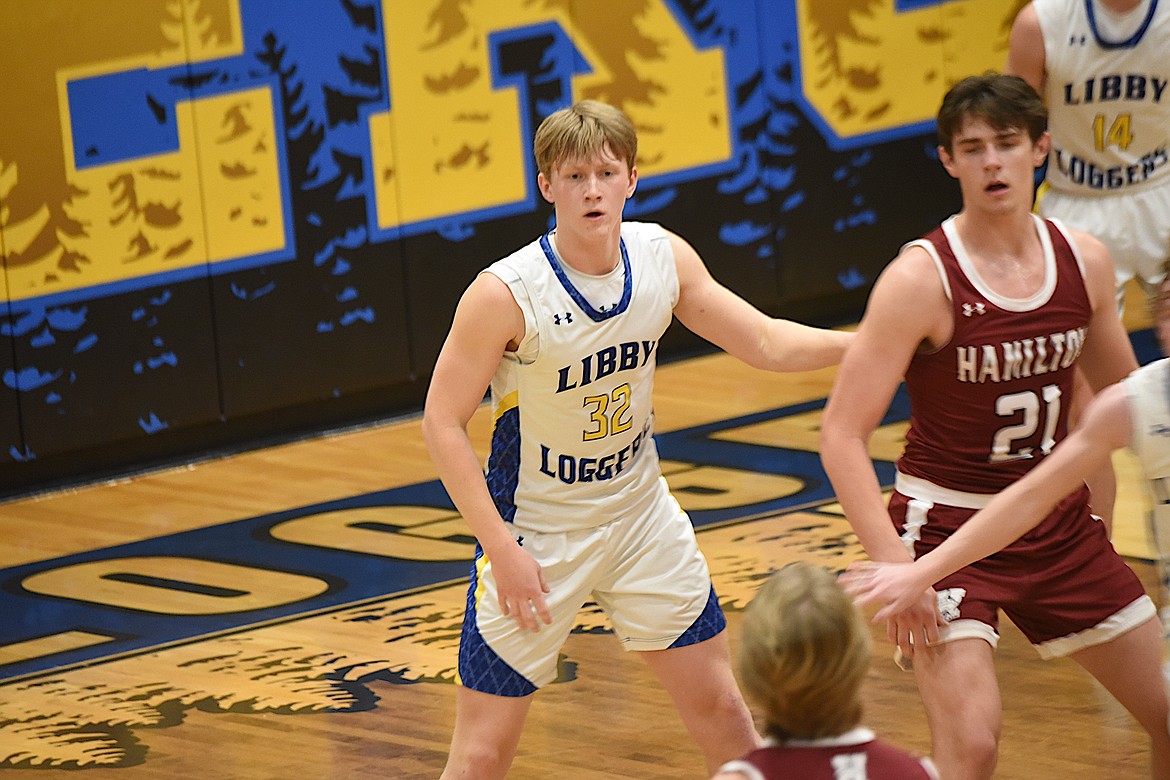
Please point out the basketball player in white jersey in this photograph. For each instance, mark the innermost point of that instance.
(573, 506)
(1102, 67)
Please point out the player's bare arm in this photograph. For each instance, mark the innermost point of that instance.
(1026, 50)
(907, 311)
(888, 337)
(487, 322)
(710, 310)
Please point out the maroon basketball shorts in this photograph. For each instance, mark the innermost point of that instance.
(1062, 583)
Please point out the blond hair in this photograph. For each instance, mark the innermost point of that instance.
(581, 131)
(804, 652)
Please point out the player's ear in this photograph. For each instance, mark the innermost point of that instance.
(545, 187)
(1040, 149)
(633, 182)
(948, 162)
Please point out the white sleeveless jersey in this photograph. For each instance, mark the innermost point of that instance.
(1148, 391)
(1107, 95)
(572, 445)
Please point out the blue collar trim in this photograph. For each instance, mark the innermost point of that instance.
(575, 294)
(1128, 43)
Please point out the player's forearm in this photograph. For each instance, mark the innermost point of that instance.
(1010, 515)
(876, 533)
(851, 472)
(1022, 506)
(791, 346)
(462, 476)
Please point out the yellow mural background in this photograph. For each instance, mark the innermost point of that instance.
(453, 142)
(217, 197)
(868, 67)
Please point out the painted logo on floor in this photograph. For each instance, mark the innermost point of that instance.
(297, 612)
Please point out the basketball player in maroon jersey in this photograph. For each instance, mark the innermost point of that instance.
(803, 655)
(985, 320)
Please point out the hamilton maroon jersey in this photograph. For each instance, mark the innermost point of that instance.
(853, 756)
(986, 406)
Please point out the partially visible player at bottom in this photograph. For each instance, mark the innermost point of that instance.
(804, 651)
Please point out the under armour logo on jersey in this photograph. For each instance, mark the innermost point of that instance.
(977, 308)
(566, 318)
(949, 601)
(1077, 40)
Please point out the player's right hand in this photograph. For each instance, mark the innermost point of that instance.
(520, 588)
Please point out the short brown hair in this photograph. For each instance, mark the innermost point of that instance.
(804, 652)
(1001, 101)
(581, 131)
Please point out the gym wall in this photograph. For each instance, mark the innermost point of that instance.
(229, 222)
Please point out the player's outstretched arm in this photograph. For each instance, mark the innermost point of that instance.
(710, 310)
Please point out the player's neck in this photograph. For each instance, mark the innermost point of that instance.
(1120, 7)
(595, 253)
(1005, 249)
(999, 234)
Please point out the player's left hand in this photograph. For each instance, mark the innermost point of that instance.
(908, 607)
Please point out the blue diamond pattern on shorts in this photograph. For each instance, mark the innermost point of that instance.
(479, 667)
(503, 470)
(706, 625)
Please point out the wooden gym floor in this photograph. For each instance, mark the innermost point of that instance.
(294, 612)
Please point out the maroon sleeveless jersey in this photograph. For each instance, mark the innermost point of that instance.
(855, 756)
(986, 406)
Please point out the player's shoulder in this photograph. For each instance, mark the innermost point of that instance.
(644, 231)
(1032, 19)
(492, 287)
(916, 266)
(1092, 251)
(1028, 19)
(653, 240)
(1083, 240)
(910, 298)
(1149, 379)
